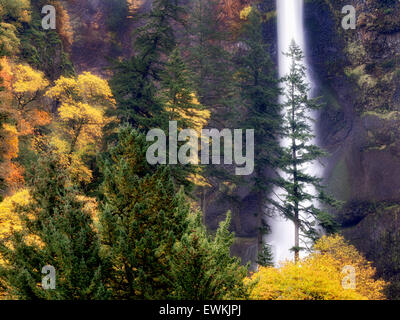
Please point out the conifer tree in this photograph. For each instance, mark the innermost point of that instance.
(208, 58)
(178, 95)
(180, 104)
(142, 217)
(134, 80)
(202, 268)
(56, 231)
(259, 93)
(265, 257)
(298, 202)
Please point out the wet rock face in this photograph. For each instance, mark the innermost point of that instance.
(358, 72)
(102, 30)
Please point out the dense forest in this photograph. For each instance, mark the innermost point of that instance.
(84, 214)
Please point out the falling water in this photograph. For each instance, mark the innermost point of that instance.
(290, 27)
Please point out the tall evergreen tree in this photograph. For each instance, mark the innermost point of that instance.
(180, 104)
(134, 80)
(298, 202)
(57, 231)
(260, 94)
(141, 218)
(202, 266)
(178, 94)
(208, 57)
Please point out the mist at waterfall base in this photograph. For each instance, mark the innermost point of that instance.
(290, 27)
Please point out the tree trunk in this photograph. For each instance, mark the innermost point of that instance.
(295, 181)
(296, 237)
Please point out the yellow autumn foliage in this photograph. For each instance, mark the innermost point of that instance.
(19, 10)
(19, 101)
(78, 129)
(21, 97)
(11, 136)
(87, 88)
(27, 80)
(345, 254)
(8, 38)
(197, 117)
(319, 276)
(9, 220)
(10, 172)
(312, 279)
(245, 12)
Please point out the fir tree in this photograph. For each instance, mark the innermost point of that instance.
(178, 95)
(265, 257)
(57, 231)
(181, 105)
(259, 92)
(208, 58)
(202, 267)
(134, 80)
(298, 201)
(142, 217)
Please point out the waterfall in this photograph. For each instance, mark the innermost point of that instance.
(290, 27)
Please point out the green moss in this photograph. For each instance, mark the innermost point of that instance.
(392, 115)
(339, 181)
(356, 51)
(363, 79)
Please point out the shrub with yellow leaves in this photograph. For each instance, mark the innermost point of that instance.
(319, 276)
(345, 254)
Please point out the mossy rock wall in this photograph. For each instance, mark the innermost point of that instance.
(358, 76)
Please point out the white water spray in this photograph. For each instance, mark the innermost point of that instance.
(290, 27)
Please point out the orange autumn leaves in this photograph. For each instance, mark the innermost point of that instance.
(319, 276)
(22, 87)
(77, 127)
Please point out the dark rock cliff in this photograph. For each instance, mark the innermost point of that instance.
(358, 72)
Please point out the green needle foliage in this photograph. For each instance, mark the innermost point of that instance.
(298, 201)
(134, 81)
(159, 249)
(202, 267)
(208, 58)
(265, 257)
(141, 218)
(259, 92)
(180, 104)
(56, 231)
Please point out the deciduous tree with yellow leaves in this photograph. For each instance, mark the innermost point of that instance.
(23, 87)
(81, 119)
